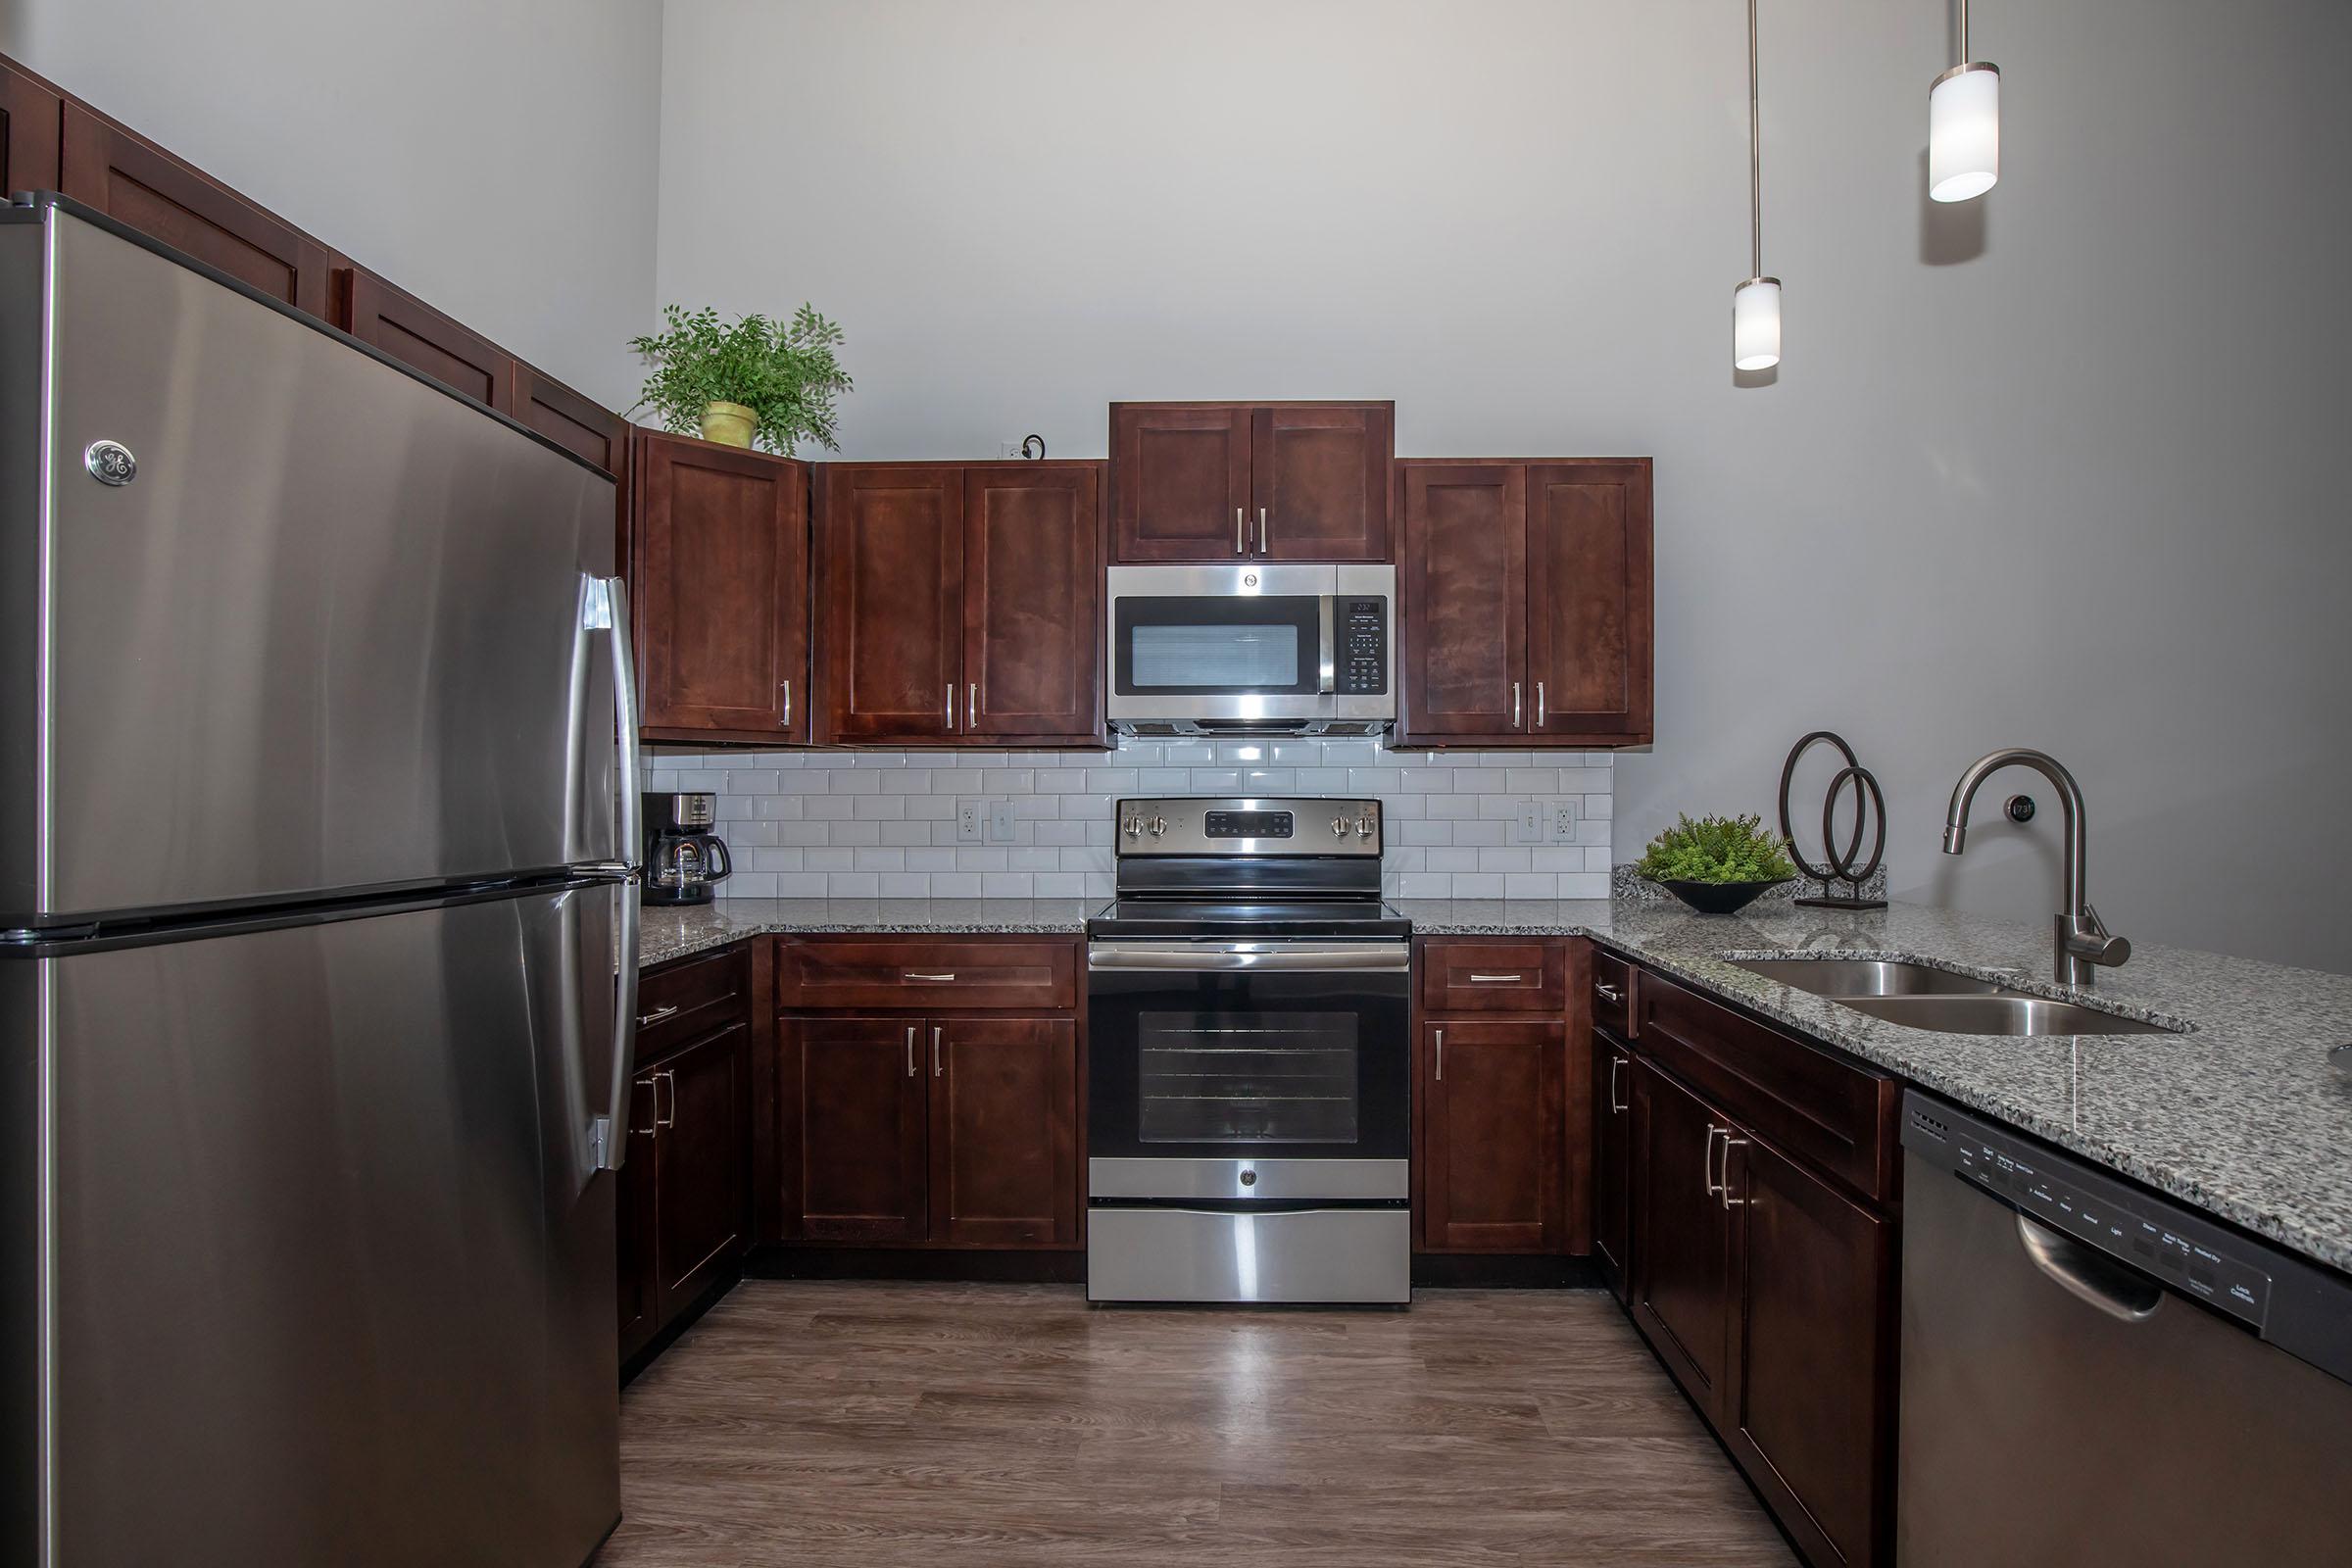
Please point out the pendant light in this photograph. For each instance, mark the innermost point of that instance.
(1964, 127)
(1757, 302)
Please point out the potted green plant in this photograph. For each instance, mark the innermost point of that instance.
(1717, 864)
(759, 382)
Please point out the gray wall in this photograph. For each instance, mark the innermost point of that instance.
(496, 156)
(2056, 469)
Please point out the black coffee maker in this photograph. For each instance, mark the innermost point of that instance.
(683, 861)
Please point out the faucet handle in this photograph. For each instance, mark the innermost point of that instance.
(2092, 943)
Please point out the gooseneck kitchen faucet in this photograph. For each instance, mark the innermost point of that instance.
(2082, 941)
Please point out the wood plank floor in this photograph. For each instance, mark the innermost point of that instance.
(822, 1423)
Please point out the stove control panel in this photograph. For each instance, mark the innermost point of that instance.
(1245, 824)
(1238, 826)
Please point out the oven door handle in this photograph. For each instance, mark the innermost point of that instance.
(1255, 957)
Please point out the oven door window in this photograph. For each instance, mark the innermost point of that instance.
(1247, 1078)
(1219, 646)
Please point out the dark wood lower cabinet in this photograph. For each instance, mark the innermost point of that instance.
(1493, 1135)
(1682, 1285)
(1612, 1150)
(639, 1295)
(856, 1111)
(1005, 1132)
(701, 1165)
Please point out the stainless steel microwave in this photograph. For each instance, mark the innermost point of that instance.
(1253, 649)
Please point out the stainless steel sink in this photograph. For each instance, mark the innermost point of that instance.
(1865, 977)
(2002, 1013)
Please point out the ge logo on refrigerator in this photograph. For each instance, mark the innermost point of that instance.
(110, 463)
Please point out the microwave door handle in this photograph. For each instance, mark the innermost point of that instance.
(1324, 677)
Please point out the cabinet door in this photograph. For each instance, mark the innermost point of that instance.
(853, 1108)
(1180, 481)
(1612, 1143)
(1319, 482)
(128, 177)
(1464, 641)
(890, 571)
(580, 424)
(1813, 1385)
(1033, 602)
(1683, 1286)
(29, 114)
(1589, 650)
(702, 1161)
(1005, 1132)
(720, 590)
(1493, 1136)
(639, 1296)
(404, 326)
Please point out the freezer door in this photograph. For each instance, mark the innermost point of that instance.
(328, 1276)
(328, 635)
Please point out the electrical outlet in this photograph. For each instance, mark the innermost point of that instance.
(1008, 449)
(1529, 828)
(1563, 822)
(969, 826)
(1000, 821)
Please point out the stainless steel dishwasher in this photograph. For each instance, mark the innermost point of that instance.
(2093, 1375)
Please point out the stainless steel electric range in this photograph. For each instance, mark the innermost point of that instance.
(1249, 1113)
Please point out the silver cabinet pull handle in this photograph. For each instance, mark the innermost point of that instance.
(1262, 534)
(655, 1130)
(1514, 705)
(1241, 532)
(1616, 1104)
(1494, 979)
(971, 705)
(1440, 1056)
(936, 1068)
(1608, 993)
(951, 704)
(1729, 1144)
(672, 1079)
(1538, 705)
(914, 974)
(787, 705)
(655, 1016)
(910, 1050)
(1707, 1159)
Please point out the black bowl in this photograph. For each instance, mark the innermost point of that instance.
(1722, 897)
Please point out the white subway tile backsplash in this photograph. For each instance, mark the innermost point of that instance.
(865, 824)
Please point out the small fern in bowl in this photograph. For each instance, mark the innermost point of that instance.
(1718, 863)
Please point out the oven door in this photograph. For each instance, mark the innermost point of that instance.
(1248, 1071)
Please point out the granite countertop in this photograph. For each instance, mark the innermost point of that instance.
(2245, 1116)
(673, 932)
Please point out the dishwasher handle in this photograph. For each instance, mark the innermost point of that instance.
(2088, 1274)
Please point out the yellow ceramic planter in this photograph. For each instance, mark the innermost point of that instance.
(729, 424)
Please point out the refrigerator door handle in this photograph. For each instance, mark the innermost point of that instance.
(612, 1147)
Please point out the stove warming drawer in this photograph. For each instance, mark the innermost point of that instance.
(1297, 1255)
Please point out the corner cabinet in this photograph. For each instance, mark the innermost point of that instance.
(961, 604)
(1526, 602)
(30, 117)
(718, 585)
(1266, 481)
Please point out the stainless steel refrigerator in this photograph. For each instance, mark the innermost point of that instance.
(316, 940)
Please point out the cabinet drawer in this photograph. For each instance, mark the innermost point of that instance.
(961, 974)
(1493, 976)
(681, 1002)
(1831, 1113)
(1614, 994)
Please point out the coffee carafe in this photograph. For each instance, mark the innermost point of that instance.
(684, 861)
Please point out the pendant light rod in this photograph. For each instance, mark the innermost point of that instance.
(1963, 59)
(1755, 153)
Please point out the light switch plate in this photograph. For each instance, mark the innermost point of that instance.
(1529, 828)
(970, 825)
(1000, 821)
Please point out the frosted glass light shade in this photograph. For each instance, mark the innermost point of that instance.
(1756, 324)
(1964, 132)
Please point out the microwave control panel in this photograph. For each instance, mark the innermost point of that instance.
(1360, 666)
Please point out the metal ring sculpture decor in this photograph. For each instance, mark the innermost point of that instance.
(1842, 866)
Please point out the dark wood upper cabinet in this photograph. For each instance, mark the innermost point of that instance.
(701, 1165)
(1527, 616)
(1319, 480)
(1683, 1280)
(580, 424)
(890, 584)
(720, 587)
(854, 1102)
(1494, 1137)
(1180, 481)
(1033, 602)
(1465, 600)
(1812, 1397)
(126, 177)
(31, 111)
(1279, 481)
(1005, 1132)
(1588, 635)
(402, 326)
(1612, 1148)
